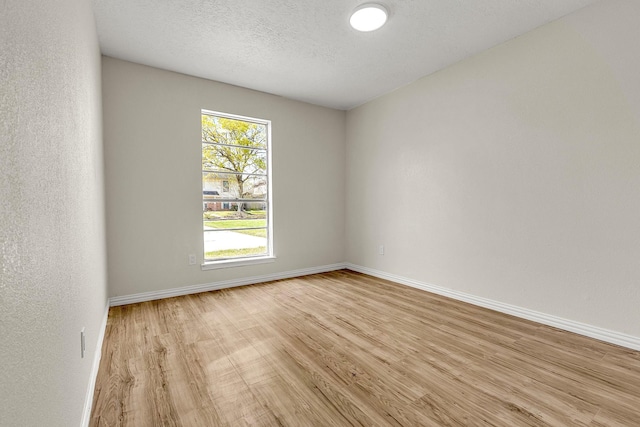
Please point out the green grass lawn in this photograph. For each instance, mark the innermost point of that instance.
(237, 223)
(241, 223)
(226, 214)
(229, 253)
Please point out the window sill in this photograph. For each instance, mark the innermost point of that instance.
(228, 263)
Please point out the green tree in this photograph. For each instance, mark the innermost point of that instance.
(235, 146)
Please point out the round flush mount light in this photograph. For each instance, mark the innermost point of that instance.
(369, 17)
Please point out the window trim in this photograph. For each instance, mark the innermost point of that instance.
(237, 262)
(249, 259)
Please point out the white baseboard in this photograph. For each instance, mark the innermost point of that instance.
(601, 334)
(187, 290)
(88, 400)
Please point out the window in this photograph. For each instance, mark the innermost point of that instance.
(235, 187)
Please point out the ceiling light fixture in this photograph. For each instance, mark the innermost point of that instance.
(369, 17)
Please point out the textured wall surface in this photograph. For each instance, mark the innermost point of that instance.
(514, 175)
(154, 179)
(52, 250)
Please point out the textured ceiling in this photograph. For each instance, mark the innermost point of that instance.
(305, 49)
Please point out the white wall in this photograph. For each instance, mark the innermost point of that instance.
(153, 178)
(513, 175)
(52, 250)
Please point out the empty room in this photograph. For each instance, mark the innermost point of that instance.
(304, 213)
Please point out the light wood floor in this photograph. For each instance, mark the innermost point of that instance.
(343, 348)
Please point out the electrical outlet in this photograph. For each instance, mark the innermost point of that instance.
(381, 250)
(83, 343)
(192, 259)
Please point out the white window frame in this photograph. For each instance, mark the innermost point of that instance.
(249, 259)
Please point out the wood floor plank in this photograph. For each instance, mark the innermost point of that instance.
(607, 418)
(538, 403)
(343, 348)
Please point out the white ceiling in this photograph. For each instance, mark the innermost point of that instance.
(305, 49)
